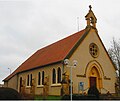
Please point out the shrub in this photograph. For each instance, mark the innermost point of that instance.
(9, 94)
(65, 97)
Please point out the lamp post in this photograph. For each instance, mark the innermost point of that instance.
(74, 64)
(10, 70)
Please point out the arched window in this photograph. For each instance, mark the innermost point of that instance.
(27, 80)
(39, 76)
(59, 75)
(20, 83)
(31, 80)
(43, 76)
(53, 76)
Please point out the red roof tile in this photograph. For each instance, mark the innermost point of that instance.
(51, 54)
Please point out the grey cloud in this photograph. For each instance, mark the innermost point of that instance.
(28, 25)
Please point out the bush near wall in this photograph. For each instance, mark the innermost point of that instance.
(9, 94)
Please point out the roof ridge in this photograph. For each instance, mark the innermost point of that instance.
(60, 40)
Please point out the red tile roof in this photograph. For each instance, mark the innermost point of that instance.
(53, 53)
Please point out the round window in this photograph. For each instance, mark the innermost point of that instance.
(93, 50)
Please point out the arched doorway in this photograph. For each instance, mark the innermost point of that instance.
(94, 78)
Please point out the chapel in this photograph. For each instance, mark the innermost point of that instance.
(46, 71)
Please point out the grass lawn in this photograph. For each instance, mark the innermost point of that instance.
(48, 98)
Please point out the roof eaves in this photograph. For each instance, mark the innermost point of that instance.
(106, 51)
(42, 66)
(9, 77)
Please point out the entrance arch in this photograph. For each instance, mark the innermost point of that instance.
(94, 78)
(95, 74)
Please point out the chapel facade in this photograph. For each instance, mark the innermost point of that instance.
(45, 70)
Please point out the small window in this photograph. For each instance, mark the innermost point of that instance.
(39, 78)
(31, 80)
(43, 76)
(21, 84)
(59, 75)
(27, 80)
(20, 81)
(53, 76)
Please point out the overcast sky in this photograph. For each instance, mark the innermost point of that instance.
(28, 25)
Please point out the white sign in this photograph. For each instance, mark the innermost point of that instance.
(81, 86)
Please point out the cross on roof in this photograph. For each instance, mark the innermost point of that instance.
(90, 7)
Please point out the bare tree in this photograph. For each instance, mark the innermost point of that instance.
(114, 53)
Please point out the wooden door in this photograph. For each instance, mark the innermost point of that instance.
(93, 81)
